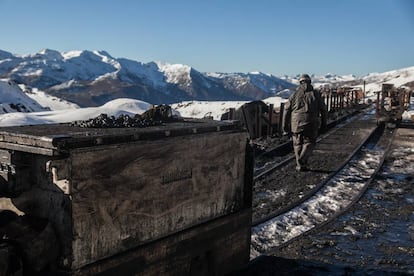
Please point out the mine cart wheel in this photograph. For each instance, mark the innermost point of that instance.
(11, 262)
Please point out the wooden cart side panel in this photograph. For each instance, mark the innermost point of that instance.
(129, 194)
(217, 247)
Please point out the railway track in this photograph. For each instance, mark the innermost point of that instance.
(287, 204)
(280, 186)
(274, 157)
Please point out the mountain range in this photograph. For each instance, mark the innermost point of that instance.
(92, 78)
(59, 80)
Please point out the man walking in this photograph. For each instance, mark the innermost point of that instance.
(305, 112)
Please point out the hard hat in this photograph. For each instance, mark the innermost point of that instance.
(305, 77)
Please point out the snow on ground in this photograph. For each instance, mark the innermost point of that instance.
(202, 109)
(334, 197)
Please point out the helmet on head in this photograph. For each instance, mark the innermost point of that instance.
(305, 78)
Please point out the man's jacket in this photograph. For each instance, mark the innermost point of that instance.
(303, 109)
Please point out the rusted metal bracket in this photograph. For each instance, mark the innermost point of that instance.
(60, 174)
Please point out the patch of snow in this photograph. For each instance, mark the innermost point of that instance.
(175, 73)
(112, 108)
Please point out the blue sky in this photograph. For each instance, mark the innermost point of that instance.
(272, 36)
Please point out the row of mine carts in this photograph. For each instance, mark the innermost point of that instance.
(391, 103)
(264, 120)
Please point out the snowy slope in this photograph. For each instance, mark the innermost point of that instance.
(45, 100)
(112, 108)
(399, 78)
(13, 99)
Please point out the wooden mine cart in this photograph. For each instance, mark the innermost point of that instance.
(165, 200)
(259, 119)
(391, 103)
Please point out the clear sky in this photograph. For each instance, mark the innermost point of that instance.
(272, 36)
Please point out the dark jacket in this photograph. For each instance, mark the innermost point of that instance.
(302, 111)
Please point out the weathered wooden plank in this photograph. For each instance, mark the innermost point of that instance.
(30, 149)
(66, 136)
(127, 195)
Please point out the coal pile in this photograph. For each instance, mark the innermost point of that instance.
(157, 115)
(105, 121)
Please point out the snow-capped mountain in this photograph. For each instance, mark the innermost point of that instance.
(91, 78)
(327, 79)
(256, 84)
